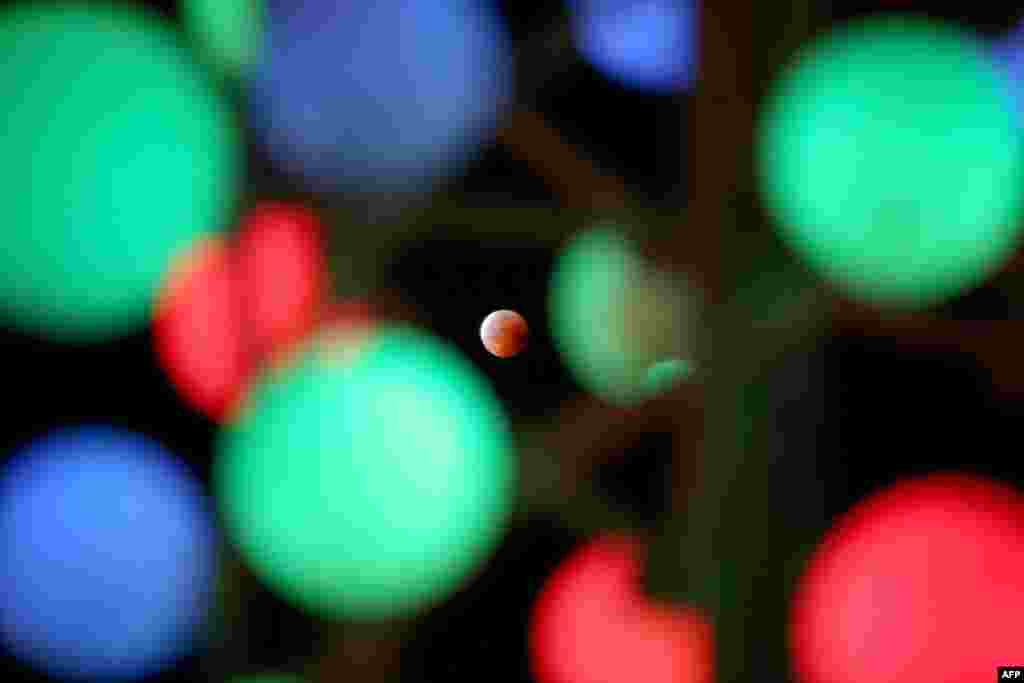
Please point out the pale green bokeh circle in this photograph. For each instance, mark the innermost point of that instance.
(118, 154)
(229, 32)
(587, 301)
(612, 315)
(890, 157)
(372, 486)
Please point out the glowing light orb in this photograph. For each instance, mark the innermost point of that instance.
(890, 154)
(371, 487)
(504, 333)
(648, 45)
(896, 582)
(666, 374)
(109, 171)
(197, 331)
(230, 32)
(107, 555)
(282, 275)
(230, 307)
(612, 315)
(592, 624)
(412, 88)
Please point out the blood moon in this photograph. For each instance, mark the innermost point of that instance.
(504, 333)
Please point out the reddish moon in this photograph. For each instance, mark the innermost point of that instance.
(504, 333)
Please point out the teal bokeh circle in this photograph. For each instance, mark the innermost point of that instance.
(368, 485)
(891, 159)
(118, 154)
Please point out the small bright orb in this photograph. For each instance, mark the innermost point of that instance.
(647, 45)
(370, 487)
(229, 32)
(504, 333)
(923, 576)
(107, 555)
(592, 624)
(109, 172)
(612, 315)
(412, 89)
(666, 374)
(891, 157)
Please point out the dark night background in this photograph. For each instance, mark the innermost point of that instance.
(861, 411)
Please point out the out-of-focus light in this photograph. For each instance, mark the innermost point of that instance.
(648, 45)
(282, 273)
(118, 155)
(891, 157)
(197, 331)
(229, 308)
(369, 488)
(107, 555)
(924, 577)
(592, 624)
(666, 374)
(380, 97)
(230, 32)
(612, 315)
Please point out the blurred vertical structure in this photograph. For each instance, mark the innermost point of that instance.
(732, 541)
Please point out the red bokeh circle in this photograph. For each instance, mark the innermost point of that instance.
(922, 581)
(592, 624)
(229, 309)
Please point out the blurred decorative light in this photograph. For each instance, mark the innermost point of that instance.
(383, 96)
(197, 331)
(923, 576)
(646, 44)
(230, 32)
(229, 308)
(592, 624)
(890, 154)
(612, 315)
(283, 276)
(666, 374)
(107, 555)
(118, 156)
(371, 485)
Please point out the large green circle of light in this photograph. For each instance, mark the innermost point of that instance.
(370, 485)
(117, 155)
(890, 157)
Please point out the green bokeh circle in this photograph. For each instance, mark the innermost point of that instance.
(118, 154)
(372, 486)
(889, 154)
(230, 32)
